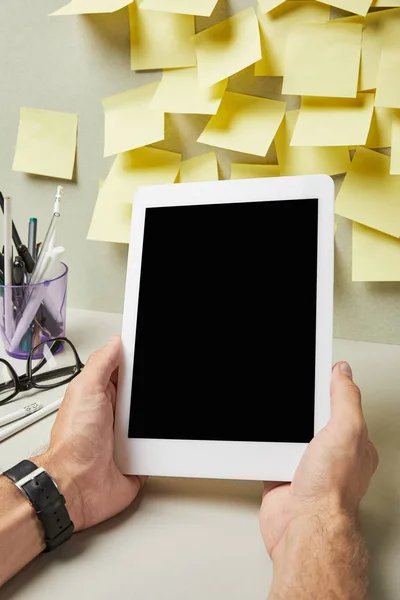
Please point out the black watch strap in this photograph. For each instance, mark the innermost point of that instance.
(41, 491)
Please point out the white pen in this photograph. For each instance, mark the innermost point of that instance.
(6, 432)
(20, 414)
(8, 306)
(57, 199)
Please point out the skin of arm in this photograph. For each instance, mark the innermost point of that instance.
(80, 459)
(310, 527)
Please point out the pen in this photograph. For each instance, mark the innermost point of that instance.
(20, 414)
(8, 307)
(32, 237)
(26, 421)
(21, 248)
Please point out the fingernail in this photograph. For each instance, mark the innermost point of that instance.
(346, 370)
(113, 339)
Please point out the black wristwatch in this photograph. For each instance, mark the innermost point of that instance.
(42, 492)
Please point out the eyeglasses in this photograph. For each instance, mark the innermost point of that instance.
(49, 365)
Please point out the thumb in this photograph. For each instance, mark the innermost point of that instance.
(102, 363)
(345, 396)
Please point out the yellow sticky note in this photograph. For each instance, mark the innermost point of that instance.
(87, 7)
(143, 166)
(202, 8)
(130, 122)
(380, 133)
(376, 256)
(307, 160)
(388, 83)
(360, 7)
(111, 221)
(199, 168)
(333, 121)
(395, 156)
(267, 5)
(322, 59)
(244, 123)
(275, 28)
(228, 47)
(385, 3)
(179, 92)
(369, 194)
(245, 171)
(46, 143)
(160, 40)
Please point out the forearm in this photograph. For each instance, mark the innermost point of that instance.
(323, 558)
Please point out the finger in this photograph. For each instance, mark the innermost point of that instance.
(271, 485)
(374, 456)
(346, 398)
(102, 363)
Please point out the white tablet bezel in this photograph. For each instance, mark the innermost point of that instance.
(221, 459)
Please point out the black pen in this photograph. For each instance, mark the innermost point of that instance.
(21, 248)
(18, 273)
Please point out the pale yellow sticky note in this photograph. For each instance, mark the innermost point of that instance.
(267, 5)
(359, 7)
(388, 83)
(143, 166)
(322, 59)
(333, 121)
(385, 3)
(202, 8)
(179, 92)
(244, 123)
(395, 155)
(245, 171)
(275, 28)
(199, 168)
(130, 122)
(46, 143)
(160, 40)
(228, 47)
(111, 221)
(87, 7)
(380, 133)
(307, 160)
(369, 194)
(376, 256)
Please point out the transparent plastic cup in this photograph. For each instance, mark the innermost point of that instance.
(32, 314)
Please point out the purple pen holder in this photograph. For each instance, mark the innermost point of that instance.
(31, 314)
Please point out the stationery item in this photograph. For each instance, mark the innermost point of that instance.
(21, 248)
(375, 255)
(160, 40)
(130, 121)
(201, 8)
(244, 123)
(228, 47)
(245, 171)
(110, 225)
(20, 414)
(40, 265)
(360, 7)
(18, 271)
(199, 168)
(385, 3)
(57, 199)
(388, 84)
(323, 59)
(32, 232)
(87, 7)
(10, 430)
(46, 143)
(267, 5)
(395, 153)
(380, 133)
(7, 236)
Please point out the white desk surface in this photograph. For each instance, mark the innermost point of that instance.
(200, 539)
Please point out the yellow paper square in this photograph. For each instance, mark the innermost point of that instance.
(130, 122)
(395, 156)
(385, 3)
(111, 221)
(179, 92)
(376, 256)
(244, 123)
(143, 166)
(160, 40)
(275, 28)
(322, 59)
(380, 133)
(202, 8)
(307, 160)
(369, 194)
(267, 5)
(360, 7)
(333, 121)
(87, 7)
(245, 171)
(228, 47)
(199, 168)
(46, 143)
(388, 83)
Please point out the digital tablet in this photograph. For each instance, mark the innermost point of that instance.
(227, 328)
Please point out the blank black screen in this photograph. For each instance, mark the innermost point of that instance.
(225, 337)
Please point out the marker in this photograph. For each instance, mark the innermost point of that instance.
(32, 230)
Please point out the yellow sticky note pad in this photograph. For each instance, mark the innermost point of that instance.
(334, 121)
(395, 156)
(199, 168)
(202, 8)
(380, 133)
(87, 7)
(376, 256)
(245, 171)
(129, 122)
(360, 7)
(267, 5)
(179, 92)
(46, 143)
(143, 166)
(275, 28)
(369, 194)
(228, 47)
(244, 123)
(160, 40)
(322, 59)
(385, 3)
(388, 82)
(307, 160)
(111, 221)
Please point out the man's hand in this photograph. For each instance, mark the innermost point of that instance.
(81, 452)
